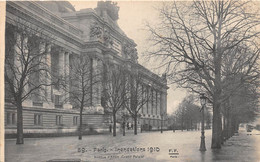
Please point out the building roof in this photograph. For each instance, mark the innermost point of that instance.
(57, 6)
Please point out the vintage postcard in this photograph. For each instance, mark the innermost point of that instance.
(130, 81)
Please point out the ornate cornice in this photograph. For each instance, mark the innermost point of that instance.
(16, 10)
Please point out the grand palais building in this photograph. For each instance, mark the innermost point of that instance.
(88, 32)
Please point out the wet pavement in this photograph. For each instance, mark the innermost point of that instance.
(152, 146)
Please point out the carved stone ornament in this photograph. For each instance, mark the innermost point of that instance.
(95, 31)
(130, 52)
(133, 55)
(108, 41)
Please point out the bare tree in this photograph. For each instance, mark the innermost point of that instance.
(241, 107)
(193, 40)
(188, 113)
(79, 84)
(115, 94)
(26, 67)
(138, 96)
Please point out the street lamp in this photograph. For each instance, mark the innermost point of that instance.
(203, 100)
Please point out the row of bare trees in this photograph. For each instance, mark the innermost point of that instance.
(212, 47)
(28, 73)
(125, 90)
(188, 115)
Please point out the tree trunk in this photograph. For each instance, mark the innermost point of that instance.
(19, 139)
(80, 123)
(236, 126)
(228, 124)
(191, 124)
(123, 128)
(182, 124)
(216, 129)
(114, 123)
(135, 124)
(223, 136)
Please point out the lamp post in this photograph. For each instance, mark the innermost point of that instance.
(203, 99)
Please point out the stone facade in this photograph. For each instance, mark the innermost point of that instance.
(87, 32)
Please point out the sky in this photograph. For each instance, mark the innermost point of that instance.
(133, 16)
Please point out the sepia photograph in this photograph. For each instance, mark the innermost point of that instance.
(91, 81)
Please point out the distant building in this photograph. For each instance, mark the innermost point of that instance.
(92, 32)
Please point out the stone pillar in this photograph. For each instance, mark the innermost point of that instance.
(154, 102)
(48, 77)
(94, 82)
(163, 104)
(19, 65)
(152, 98)
(158, 103)
(17, 58)
(143, 99)
(61, 71)
(97, 84)
(150, 101)
(66, 67)
(42, 74)
(99, 77)
(61, 62)
(26, 87)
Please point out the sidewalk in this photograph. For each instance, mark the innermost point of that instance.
(242, 148)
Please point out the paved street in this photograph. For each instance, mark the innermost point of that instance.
(169, 146)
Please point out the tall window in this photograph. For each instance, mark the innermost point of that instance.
(11, 118)
(57, 101)
(37, 119)
(75, 120)
(58, 119)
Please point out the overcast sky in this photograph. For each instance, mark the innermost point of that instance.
(133, 16)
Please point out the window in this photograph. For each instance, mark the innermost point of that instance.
(75, 120)
(37, 119)
(11, 118)
(57, 101)
(58, 119)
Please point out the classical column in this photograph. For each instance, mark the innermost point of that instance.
(94, 82)
(19, 65)
(163, 104)
(97, 84)
(66, 104)
(41, 77)
(154, 102)
(67, 71)
(99, 72)
(143, 99)
(152, 98)
(48, 77)
(61, 62)
(61, 71)
(150, 101)
(159, 103)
